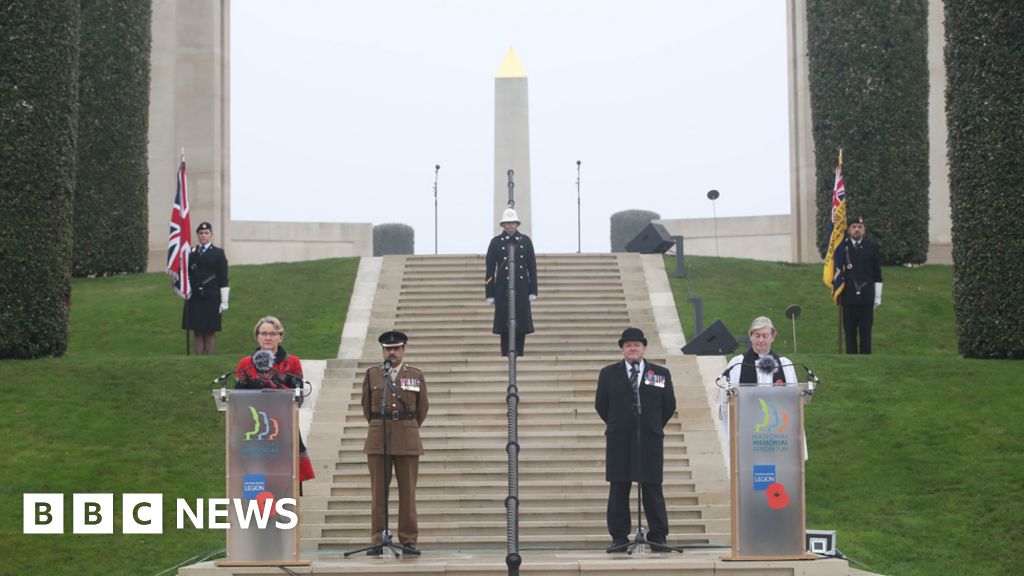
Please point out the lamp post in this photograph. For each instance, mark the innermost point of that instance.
(713, 195)
(437, 168)
(579, 234)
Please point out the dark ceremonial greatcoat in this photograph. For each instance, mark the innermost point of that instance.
(406, 415)
(496, 281)
(614, 404)
(862, 267)
(207, 273)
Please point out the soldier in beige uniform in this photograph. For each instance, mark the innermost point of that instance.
(406, 408)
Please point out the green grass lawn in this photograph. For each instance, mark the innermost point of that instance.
(916, 455)
(126, 411)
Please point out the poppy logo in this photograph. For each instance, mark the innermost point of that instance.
(777, 497)
(775, 420)
(264, 427)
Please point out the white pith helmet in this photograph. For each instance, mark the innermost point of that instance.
(508, 216)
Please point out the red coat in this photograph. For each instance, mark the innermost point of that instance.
(285, 373)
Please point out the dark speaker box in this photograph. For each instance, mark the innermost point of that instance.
(653, 239)
(716, 340)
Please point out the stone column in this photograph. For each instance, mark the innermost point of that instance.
(189, 107)
(512, 140)
(803, 210)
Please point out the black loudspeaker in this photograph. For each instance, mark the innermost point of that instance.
(653, 239)
(716, 340)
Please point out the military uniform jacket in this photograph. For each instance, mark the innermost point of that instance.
(614, 403)
(208, 273)
(862, 267)
(403, 429)
(496, 281)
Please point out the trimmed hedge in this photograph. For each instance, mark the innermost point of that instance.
(627, 224)
(393, 239)
(869, 96)
(111, 227)
(985, 117)
(38, 131)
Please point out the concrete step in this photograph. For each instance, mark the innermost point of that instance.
(594, 540)
(567, 526)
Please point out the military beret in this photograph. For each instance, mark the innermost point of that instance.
(204, 226)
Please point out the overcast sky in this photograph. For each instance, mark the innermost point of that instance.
(341, 109)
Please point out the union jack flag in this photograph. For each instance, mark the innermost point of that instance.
(179, 245)
(833, 275)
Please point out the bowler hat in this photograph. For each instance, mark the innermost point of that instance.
(632, 335)
(392, 339)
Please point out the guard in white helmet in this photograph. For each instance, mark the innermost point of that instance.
(496, 281)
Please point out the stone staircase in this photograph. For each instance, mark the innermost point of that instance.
(585, 302)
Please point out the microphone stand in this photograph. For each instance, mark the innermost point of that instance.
(512, 558)
(437, 168)
(386, 543)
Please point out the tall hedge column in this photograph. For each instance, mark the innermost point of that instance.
(38, 129)
(868, 63)
(985, 115)
(111, 221)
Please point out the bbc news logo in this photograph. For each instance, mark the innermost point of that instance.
(144, 513)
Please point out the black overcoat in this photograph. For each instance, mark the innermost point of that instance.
(862, 267)
(614, 404)
(496, 281)
(207, 273)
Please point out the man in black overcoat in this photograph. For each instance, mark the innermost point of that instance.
(208, 276)
(863, 288)
(627, 458)
(496, 281)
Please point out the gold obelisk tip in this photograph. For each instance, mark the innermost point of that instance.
(511, 67)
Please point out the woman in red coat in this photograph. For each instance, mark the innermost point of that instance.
(271, 367)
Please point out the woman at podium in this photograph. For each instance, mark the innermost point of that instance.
(758, 365)
(271, 367)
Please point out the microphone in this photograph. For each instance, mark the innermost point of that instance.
(221, 378)
(387, 365)
(263, 360)
(767, 365)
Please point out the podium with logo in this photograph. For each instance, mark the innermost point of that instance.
(262, 441)
(767, 464)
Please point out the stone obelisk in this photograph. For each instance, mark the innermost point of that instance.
(512, 140)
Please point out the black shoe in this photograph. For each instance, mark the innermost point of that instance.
(658, 545)
(617, 546)
(374, 551)
(411, 549)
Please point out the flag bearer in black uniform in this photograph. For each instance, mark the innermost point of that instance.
(863, 290)
(208, 275)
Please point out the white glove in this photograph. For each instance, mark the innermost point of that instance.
(533, 297)
(490, 301)
(224, 293)
(878, 294)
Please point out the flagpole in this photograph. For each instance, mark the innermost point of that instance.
(188, 320)
(839, 306)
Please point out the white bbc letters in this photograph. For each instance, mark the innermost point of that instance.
(92, 513)
(142, 513)
(42, 514)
